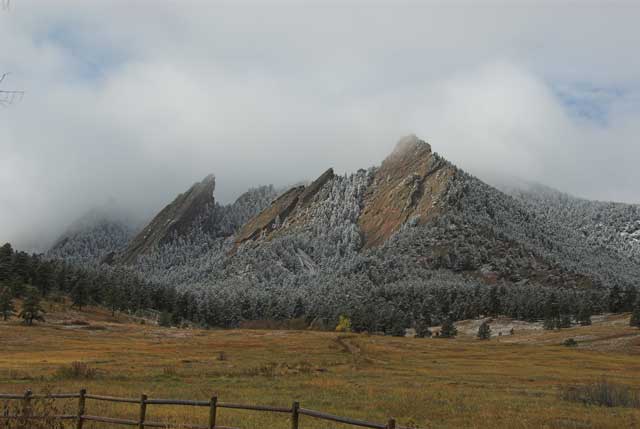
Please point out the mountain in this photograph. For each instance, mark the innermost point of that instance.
(415, 237)
(178, 218)
(92, 237)
(615, 226)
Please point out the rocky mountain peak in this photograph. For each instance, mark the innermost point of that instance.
(406, 187)
(295, 199)
(176, 218)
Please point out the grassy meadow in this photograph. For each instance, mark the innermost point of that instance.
(511, 381)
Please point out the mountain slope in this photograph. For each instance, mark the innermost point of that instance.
(175, 219)
(615, 226)
(412, 239)
(92, 237)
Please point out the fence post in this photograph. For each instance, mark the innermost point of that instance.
(26, 408)
(143, 410)
(5, 412)
(391, 424)
(81, 402)
(295, 415)
(212, 412)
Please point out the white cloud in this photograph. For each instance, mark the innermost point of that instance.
(136, 100)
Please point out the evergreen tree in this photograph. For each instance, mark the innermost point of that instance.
(31, 308)
(584, 315)
(6, 303)
(6, 262)
(565, 321)
(80, 293)
(484, 332)
(635, 315)
(113, 297)
(448, 329)
(616, 301)
(44, 280)
(630, 297)
(21, 267)
(165, 319)
(550, 323)
(495, 305)
(551, 313)
(422, 329)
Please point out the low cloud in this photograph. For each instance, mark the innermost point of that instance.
(132, 104)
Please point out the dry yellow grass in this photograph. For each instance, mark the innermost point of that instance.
(508, 382)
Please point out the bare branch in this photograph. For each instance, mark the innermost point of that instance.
(10, 97)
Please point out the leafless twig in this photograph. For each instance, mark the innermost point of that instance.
(9, 97)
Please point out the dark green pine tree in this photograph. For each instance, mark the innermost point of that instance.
(584, 315)
(448, 329)
(495, 305)
(6, 262)
(22, 267)
(422, 329)
(61, 278)
(80, 293)
(635, 315)
(165, 319)
(44, 279)
(551, 313)
(113, 297)
(6, 303)
(31, 308)
(484, 332)
(629, 298)
(616, 300)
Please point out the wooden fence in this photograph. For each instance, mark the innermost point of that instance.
(213, 405)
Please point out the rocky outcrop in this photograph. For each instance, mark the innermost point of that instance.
(407, 186)
(282, 208)
(175, 219)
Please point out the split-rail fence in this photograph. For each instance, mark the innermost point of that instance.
(295, 411)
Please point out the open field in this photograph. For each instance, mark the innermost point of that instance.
(507, 382)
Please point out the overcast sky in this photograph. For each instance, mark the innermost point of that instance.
(128, 103)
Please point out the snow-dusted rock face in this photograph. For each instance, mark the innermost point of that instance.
(416, 221)
(176, 219)
(408, 185)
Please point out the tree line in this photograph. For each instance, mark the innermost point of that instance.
(389, 309)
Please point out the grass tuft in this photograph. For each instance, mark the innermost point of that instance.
(76, 371)
(602, 393)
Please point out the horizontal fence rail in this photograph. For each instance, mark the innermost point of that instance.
(213, 405)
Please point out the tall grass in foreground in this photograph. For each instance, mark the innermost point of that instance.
(38, 414)
(603, 393)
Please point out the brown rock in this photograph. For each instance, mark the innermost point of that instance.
(176, 218)
(407, 185)
(282, 208)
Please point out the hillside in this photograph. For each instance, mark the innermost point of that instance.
(615, 226)
(92, 237)
(415, 238)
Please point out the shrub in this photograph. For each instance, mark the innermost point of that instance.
(344, 324)
(484, 332)
(170, 371)
(448, 329)
(422, 330)
(602, 393)
(77, 371)
(166, 319)
(570, 342)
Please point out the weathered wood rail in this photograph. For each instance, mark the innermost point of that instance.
(212, 404)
